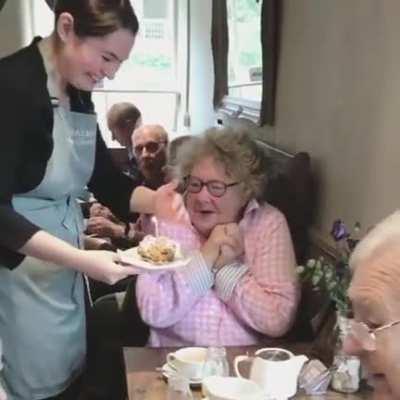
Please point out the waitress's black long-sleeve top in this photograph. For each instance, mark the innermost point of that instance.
(26, 144)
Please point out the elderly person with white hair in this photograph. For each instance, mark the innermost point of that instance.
(375, 296)
(240, 285)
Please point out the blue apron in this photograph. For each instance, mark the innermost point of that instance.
(42, 310)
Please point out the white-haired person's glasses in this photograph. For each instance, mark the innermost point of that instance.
(216, 188)
(365, 335)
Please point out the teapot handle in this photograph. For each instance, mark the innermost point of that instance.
(237, 361)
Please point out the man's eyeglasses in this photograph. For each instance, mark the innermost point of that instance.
(215, 188)
(151, 147)
(367, 336)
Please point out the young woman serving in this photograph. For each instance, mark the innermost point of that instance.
(50, 150)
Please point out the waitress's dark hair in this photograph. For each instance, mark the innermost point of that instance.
(98, 17)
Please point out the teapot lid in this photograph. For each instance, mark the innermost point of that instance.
(274, 354)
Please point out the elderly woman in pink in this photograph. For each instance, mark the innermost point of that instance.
(240, 285)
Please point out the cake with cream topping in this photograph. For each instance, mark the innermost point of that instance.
(158, 250)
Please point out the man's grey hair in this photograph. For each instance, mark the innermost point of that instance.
(383, 235)
(123, 115)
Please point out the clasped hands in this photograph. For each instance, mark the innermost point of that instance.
(223, 246)
(225, 243)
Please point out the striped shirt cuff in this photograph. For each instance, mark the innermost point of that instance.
(197, 275)
(227, 278)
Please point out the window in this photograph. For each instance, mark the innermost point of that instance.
(244, 56)
(154, 30)
(42, 17)
(148, 78)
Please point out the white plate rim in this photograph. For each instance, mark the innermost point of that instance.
(131, 257)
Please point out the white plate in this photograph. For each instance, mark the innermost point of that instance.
(166, 370)
(132, 257)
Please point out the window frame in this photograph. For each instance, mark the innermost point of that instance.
(169, 89)
(260, 112)
(176, 93)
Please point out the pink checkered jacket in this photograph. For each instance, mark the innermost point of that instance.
(256, 296)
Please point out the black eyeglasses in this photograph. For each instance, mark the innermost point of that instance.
(215, 188)
(151, 147)
(367, 336)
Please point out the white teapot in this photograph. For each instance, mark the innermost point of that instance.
(275, 370)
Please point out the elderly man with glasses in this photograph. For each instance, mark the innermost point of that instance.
(150, 148)
(375, 295)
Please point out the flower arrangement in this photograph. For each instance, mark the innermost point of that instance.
(329, 277)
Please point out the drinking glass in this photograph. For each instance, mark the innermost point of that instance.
(216, 362)
(178, 388)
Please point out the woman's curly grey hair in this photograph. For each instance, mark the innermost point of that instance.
(241, 157)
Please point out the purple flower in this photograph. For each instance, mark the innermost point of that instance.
(339, 231)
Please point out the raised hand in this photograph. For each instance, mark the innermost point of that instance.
(104, 227)
(169, 204)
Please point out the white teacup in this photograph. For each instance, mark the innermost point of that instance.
(188, 361)
(231, 388)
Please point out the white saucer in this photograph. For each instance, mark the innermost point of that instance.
(166, 370)
(131, 257)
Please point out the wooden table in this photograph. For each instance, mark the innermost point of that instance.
(144, 382)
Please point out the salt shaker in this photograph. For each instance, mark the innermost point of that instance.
(346, 375)
(346, 378)
(216, 362)
(178, 388)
